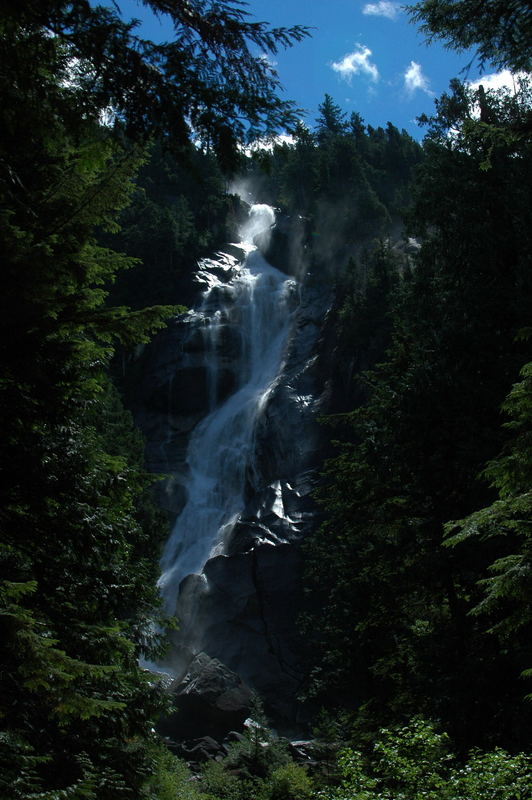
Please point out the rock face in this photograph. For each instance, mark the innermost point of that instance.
(247, 618)
(210, 696)
(284, 245)
(240, 609)
(174, 387)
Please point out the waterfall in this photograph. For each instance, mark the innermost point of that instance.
(255, 306)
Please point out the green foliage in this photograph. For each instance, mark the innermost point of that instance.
(221, 783)
(170, 778)
(290, 782)
(331, 119)
(208, 79)
(501, 30)
(414, 762)
(258, 766)
(71, 686)
(259, 751)
(179, 213)
(348, 181)
(82, 98)
(505, 604)
(487, 126)
(19, 778)
(364, 318)
(412, 759)
(496, 775)
(397, 627)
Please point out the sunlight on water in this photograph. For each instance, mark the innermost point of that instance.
(256, 303)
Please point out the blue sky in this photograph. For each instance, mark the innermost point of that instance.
(366, 55)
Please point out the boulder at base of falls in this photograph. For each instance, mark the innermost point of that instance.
(198, 751)
(248, 621)
(210, 700)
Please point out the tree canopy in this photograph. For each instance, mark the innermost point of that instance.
(425, 554)
(207, 83)
(499, 30)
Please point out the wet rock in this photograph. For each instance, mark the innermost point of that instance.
(285, 245)
(289, 440)
(211, 700)
(245, 535)
(187, 393)
(313, 752)
(234, 736)
(195, 341)
(199, 751)
(242, 611)
(248, 621)
(229, 344)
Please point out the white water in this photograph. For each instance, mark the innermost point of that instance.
(221, 446)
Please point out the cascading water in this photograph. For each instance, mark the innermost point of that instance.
(256, 305)
(227, 399)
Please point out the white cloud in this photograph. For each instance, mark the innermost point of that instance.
(267, 60)
(414, 79)
(268, 144)
(499, 80)
(355, 63)
(382, 9)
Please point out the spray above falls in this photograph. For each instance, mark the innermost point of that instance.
(246, 319)
(259, 223)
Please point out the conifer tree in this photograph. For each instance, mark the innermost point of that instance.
(405, 625)
(500, 30)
